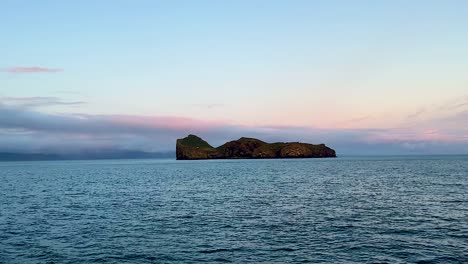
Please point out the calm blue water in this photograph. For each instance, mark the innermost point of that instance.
(386, 209)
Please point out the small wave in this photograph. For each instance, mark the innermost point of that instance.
(445, 259)
(209, 251)
(185, 216)
(284, 249)
(454, 201)
(74, 194)
(221, 260)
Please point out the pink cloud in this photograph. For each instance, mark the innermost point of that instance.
(25, 127)
(168, 122)
(409, 135)
(31, 70)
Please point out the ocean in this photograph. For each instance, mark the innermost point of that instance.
(402, 209)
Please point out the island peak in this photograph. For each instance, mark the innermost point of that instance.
(193, 147)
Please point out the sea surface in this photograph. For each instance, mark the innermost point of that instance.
(410, 209)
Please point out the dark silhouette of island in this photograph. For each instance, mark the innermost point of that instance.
(194, 148)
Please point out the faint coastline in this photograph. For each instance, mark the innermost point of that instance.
(91, 155)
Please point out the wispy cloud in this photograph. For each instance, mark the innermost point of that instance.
(417, 114)
(31, 70)
(36, 101)
(28, 129)
(454, 104)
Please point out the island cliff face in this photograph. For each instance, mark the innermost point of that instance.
(195, 148)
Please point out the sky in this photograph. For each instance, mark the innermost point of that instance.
(363, 77)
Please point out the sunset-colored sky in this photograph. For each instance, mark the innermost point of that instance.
(365, 77)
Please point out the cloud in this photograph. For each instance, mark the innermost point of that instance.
(37, 121)
(417, 114)
(25, 128)
(359, 119)
(454, 104)
(36, 101)
(31, 70)
(28, 129)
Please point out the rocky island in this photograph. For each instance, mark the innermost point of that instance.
(194, 148)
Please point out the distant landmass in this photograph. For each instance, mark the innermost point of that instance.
(86, 155)
(193, 147)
